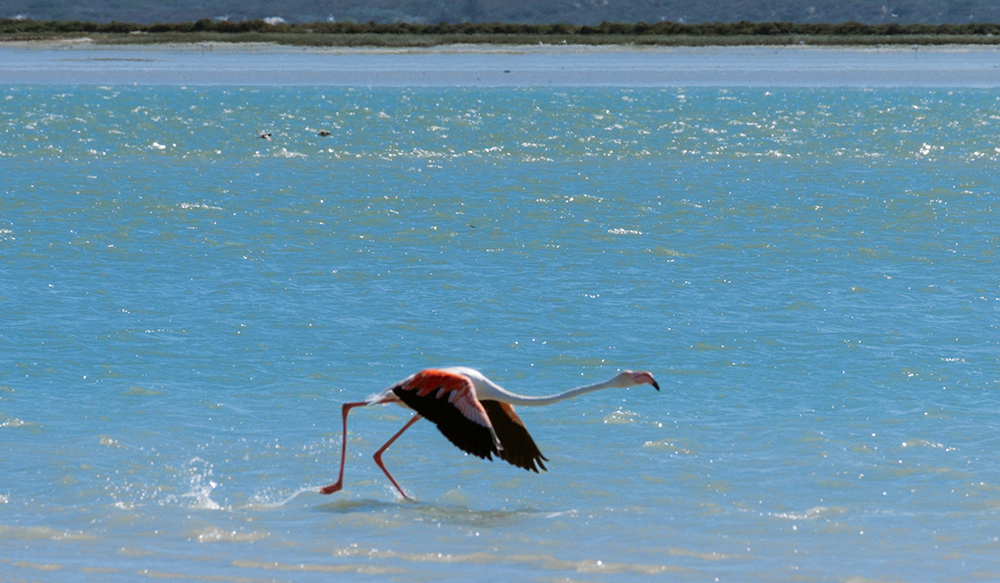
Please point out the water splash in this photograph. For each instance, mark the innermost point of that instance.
(202, 485)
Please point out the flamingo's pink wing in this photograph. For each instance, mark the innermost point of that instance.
(449, 401)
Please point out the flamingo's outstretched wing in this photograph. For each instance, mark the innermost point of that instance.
(518, 447)
(482, 428)
(449, 401)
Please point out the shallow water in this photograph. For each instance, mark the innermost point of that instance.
(250, 64)
(810, 274)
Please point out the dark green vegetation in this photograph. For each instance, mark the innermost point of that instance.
(417, 35)
(580, 12)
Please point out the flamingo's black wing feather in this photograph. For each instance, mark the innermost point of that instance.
(466, 434)
(518, 447)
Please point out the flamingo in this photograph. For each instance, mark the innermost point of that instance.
(474, 413)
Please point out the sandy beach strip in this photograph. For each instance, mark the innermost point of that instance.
(517, 66)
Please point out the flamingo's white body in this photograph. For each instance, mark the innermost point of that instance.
(474, 413)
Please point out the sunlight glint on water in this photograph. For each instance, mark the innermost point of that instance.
(810, 274)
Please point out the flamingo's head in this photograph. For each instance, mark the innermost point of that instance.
(628, 378)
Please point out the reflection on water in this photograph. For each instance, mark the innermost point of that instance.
(418, 511)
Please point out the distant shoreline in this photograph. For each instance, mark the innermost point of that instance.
(347, 34)
(426, 41)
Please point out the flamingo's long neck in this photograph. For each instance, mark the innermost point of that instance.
(525, 401)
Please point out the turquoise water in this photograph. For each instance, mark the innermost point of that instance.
(811, 274)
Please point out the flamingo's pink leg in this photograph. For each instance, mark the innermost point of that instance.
(378, 454)
(343, 451)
